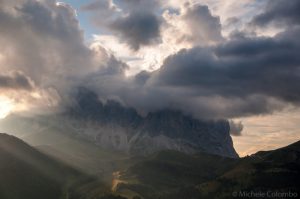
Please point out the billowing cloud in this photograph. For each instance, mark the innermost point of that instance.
(135, 22)
(242, 75)
(200, 71)
(279, 13)
(43, 42)
(225, 10)
(41, 39)
(247, 75)
(203, 26)
(141, 23)
(189, 26)
(253, 73)
(192, 25)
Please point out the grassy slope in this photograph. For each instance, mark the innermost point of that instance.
(62, 143)
(79, 153)
(167, 171)
(173, 175)
(29, 174)
(170, 174)
(277, 170)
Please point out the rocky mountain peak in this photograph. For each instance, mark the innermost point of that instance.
(122, 128)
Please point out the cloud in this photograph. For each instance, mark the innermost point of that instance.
(246, 75)
(192, 25)
(100, 9)
(135, 22)
(138, 5)
(225, 10)
(137, 29)
(43, 40)
(236, 128)
(279, 13)
(203, 26)
(186, 27)
(52, 33)
(16, 80)
(200, 72)
(242, 75)
(138, 23)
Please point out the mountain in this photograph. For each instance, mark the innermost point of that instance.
(174, 175)
(113, 126)
(27, 173)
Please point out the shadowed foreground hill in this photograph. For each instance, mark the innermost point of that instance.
(267, 172)
(29, 174)
(276, 171)
(173, 175)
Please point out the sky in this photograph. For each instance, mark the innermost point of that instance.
(213, 59)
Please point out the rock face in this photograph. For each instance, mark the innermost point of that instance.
(113, 126)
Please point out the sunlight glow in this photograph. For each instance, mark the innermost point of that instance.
(6, 107)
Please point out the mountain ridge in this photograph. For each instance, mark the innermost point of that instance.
(159, 130)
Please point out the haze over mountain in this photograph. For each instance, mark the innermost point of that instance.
(112, 126)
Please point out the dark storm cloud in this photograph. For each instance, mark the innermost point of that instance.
(253, 71)
(241, 76)
(138, 29)
(238, 76)
(140, 26)
(15, 81)
(279, 12)
(239, 67)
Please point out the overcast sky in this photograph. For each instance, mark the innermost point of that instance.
(213, 59)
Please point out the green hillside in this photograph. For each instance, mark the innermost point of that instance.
(27, 173)
(173, 175)
(167, 171)
(267, 171)
(64, 145)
